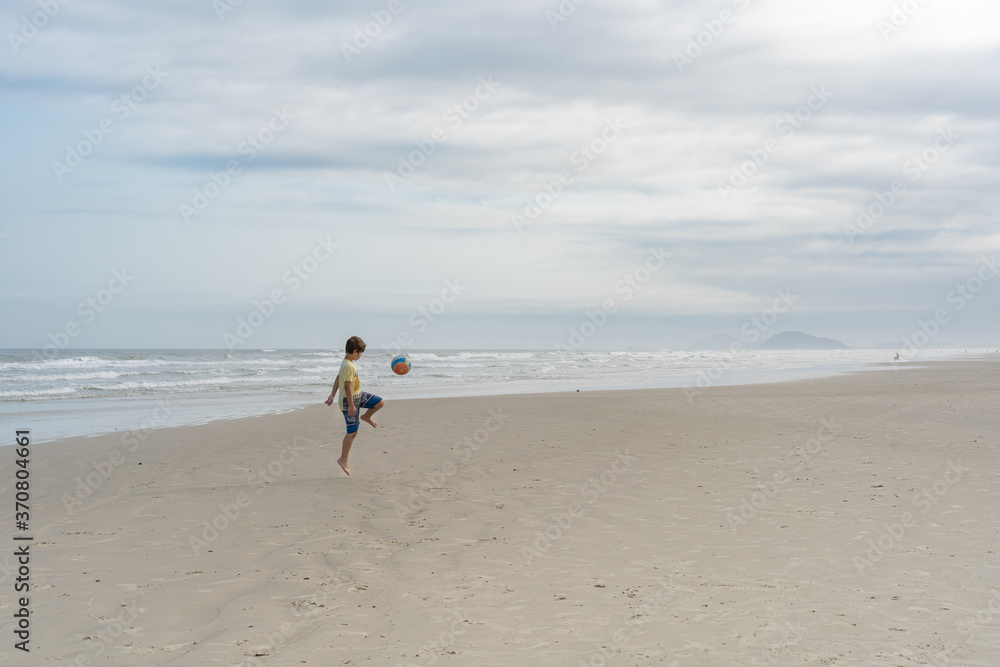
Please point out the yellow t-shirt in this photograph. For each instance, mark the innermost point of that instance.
(348, 373)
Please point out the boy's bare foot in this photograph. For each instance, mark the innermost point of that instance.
(366, 418)
(343, 465)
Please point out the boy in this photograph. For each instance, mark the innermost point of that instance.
(352, 399)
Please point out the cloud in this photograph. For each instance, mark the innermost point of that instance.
(691, 169)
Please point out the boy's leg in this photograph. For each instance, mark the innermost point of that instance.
(372, 410)
(345, 450)
(352, 424)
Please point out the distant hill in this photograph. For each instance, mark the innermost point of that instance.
(796, 340)
(718, 342)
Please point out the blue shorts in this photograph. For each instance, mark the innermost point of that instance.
(365, 402)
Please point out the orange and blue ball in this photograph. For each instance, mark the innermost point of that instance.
(401, 364)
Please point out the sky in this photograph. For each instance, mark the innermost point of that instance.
(585, 174)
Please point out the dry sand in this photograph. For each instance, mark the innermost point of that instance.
(850, 521)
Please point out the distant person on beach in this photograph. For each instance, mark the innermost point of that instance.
(352, 399)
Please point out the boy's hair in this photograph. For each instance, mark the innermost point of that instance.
(354, 344)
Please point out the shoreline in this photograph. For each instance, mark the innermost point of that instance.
(690, 395)
(848, 519)
(109, 415)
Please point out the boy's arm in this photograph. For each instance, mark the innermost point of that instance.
(350, 398)
(333, 395)
(333, 392)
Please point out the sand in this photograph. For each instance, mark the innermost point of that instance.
(850, 520)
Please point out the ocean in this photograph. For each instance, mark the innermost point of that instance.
(89, 392)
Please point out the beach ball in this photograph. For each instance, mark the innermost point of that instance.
(401, 364)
